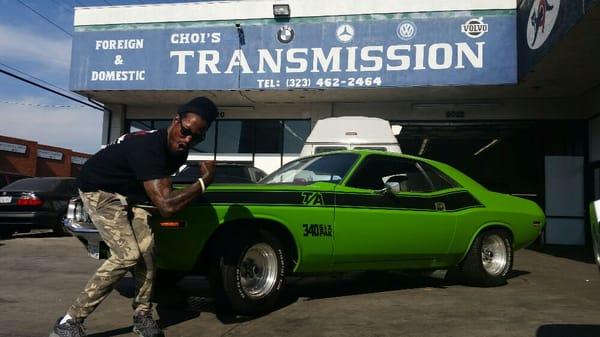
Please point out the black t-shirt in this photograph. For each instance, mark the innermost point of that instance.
(124, 165)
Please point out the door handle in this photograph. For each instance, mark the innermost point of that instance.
(440, 206)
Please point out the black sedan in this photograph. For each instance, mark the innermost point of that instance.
(33, 203)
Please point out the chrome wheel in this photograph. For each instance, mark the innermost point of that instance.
(258, 270)
(494, 254)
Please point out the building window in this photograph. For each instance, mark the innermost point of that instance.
(243, 136)
(295, 133)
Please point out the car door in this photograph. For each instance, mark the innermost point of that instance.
(411, 226)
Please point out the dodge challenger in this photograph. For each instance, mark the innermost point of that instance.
(339, 211)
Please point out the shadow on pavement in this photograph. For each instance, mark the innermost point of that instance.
(181, 302)
(354, 283)
(568, 330)
(192, 296)
(576, 253)
(516, 273)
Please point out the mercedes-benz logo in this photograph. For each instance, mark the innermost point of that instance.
(285, 34)
(406, 30)
(344, 33)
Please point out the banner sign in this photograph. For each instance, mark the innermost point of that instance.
(50, 154)
(78, 160)
(10, 147)
(542, 23)
(422, 49)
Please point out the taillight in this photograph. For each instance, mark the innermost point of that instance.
(172, 224)
(29, 200)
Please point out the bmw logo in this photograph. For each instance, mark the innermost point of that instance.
(285, 34)
(406, 30)
(344, 33)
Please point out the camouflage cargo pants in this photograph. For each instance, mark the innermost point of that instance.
(131, 244)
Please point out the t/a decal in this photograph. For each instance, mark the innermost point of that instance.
(312, 199)
(317, 230)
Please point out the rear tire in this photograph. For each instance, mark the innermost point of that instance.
(249, 273)
(489, 259)
(59, 228)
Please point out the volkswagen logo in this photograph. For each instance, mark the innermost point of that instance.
(406, 30)
(344, 33)
(285, 34)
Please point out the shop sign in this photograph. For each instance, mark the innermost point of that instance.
(419, 49)
(10, 147)
(78, 160)
(542, 24)
(53, 155)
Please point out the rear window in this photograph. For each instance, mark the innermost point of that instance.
(33, 185)
(323, 149)
(374, 148)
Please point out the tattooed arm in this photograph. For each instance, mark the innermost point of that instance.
(170, 201)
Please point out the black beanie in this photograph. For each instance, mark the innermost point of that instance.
(200, 106)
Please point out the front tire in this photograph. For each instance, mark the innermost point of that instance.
(489, 259)
(250, 273)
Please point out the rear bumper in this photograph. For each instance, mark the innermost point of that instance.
(23, 220)
(87, 234)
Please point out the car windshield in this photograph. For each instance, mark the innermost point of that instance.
(328, 168)
(33, 185)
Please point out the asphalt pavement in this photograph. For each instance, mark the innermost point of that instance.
(552, 292)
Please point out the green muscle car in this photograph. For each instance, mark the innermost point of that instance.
(340, 211)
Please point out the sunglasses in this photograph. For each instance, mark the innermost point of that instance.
(185, 132)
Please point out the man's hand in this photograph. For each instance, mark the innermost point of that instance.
(207, 171)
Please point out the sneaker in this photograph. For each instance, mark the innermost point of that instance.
(71, 328)
(145, 326)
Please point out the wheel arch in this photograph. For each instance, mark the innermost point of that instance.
(238, 226)
(488, 226)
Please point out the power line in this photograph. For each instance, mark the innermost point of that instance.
(37, 79)
(43, 17)
(63, 4)
(93, 106)
(42, 105)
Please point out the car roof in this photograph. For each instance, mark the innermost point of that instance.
(364, 152)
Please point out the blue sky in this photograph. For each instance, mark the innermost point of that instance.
(32, 45)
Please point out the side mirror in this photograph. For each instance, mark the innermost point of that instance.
(391, 188)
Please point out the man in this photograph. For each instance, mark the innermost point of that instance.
(135, 169)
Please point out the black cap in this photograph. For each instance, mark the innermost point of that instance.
(200, 106)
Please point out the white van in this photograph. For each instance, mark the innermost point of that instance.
(348, 133)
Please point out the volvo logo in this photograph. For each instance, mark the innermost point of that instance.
(541, 21)
(406, 30)
(344, 33)
(285, 34)
(474, 28)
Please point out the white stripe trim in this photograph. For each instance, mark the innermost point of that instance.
(261, 9)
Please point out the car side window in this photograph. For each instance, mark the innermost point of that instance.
(439, 180)
(376, 170)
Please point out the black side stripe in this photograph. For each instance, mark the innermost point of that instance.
(453, 201)
(262, 198)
